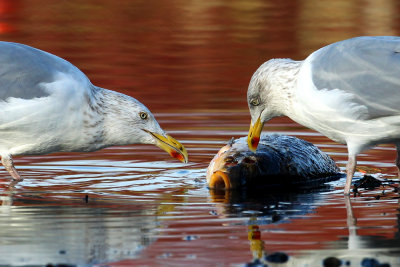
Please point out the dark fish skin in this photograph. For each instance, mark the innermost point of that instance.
(279, 160)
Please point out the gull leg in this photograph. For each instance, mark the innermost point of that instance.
(9, 165)
(398, 159)
(351, 219)
(350, 169)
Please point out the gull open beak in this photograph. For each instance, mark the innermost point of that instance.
(254, 134)
(171, 146)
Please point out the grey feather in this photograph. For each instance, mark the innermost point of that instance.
(23, 68)
(367, 67)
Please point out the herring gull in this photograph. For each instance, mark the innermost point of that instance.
(48, 105)
(349, 91)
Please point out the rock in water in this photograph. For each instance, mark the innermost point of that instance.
(280, 161)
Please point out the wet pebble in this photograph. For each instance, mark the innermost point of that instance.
(277, 257)
(371, 262)
(213, 212)
(256, 263)
(276, 218)
(332, 262)
(367, 182)
(199, 181)
(190, 237)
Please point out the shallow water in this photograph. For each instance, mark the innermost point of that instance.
(190, 62)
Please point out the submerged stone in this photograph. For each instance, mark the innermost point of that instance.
(332, 262)
(277, 257)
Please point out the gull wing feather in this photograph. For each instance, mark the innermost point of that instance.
(24, 70)
(364, 69)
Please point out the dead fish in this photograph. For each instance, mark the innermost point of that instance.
(280, 160)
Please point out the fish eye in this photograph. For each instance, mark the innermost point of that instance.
(249, 160)
(255, 101)
(230, 159)
(143, 115)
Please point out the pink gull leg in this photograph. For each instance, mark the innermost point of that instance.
(9, 165)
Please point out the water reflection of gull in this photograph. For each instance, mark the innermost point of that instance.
(43, 231)
(7, 196)
(290, 211)
(269, 206)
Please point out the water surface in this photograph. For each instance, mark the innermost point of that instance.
(190, 62)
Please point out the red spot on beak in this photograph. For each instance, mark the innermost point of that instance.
(254, 233)
(254, 141)
(176, 155)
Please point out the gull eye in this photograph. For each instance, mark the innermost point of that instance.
(143, 115)
(255, 102)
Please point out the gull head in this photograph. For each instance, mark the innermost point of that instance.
(269, 88)
(127, 121)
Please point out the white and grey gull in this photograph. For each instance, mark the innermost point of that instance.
(48, 105)
(349, 91)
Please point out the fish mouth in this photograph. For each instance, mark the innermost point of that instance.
(170, 145)
(253, 137)
(219, 180)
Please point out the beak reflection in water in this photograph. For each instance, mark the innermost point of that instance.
(171, 146)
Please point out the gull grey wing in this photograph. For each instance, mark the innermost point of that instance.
(366, 67)
(23, 68)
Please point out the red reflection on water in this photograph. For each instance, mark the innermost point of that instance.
(190, 62)
(8, 13)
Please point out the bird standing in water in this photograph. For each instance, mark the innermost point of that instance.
(48, 105)
(349, 91)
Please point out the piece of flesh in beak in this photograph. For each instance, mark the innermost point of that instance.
(254, 134)
(171, 146)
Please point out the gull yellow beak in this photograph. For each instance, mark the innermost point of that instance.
(171, 146)
(254, 134)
